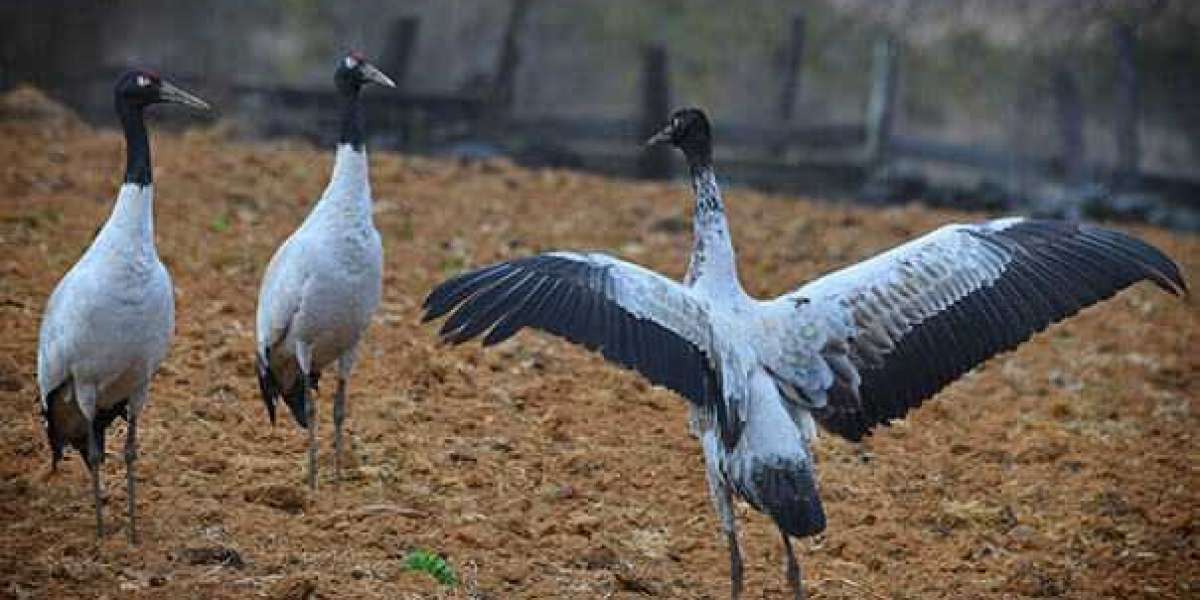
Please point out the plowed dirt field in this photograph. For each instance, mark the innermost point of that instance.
(1068, 468)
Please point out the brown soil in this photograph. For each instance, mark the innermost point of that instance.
(1065, 469)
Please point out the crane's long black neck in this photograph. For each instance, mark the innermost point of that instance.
(713, 262)
(137, 143)
(352, 118)
(698, 152)
(708, 194)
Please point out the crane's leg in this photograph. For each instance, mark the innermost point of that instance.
(339, 416)
(132, 408)
(304, 357)
(310, 408)
(130, 457)
(345, 365)
(723, 504)
(735, 553)
(85, 396)
(93, 463)
(793, 568)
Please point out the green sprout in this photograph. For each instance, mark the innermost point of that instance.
(430, 563)
(220, 224)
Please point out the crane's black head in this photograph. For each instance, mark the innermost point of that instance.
(689, 131)
(354, 71)
(139, 88)
(135, 90)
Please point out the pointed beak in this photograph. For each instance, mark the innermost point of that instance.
(170, 93)
(663, 136)
(374, 75)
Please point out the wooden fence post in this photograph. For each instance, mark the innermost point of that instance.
(504, 81)
(1068, 106)
(654, 162)
(402, 39)
(881, 104)
(791, 75)
(1127, 103)
(793, 58)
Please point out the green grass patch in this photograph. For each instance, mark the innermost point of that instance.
(424, 561)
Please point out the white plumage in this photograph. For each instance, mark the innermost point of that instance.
(109, 321)
(850, 351)
(324, 283)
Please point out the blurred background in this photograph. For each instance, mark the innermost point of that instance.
(1070, 108)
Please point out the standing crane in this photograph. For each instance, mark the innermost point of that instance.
(109, 321)
(851, 350)
(324, 283)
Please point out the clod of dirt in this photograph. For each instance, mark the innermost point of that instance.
(1041, 580)
(583, 523)
(212, 555)
(283, 497)
(632, 583)
(296, 587)
(598, 558)
(210, 464)
(9, 382)
(375, 510)
(973, 513)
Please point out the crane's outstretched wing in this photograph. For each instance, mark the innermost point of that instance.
(866, 344)
(633, 316)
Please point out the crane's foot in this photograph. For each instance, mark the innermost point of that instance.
(795, 581)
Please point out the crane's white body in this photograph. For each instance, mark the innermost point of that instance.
(108, 323)
(324, 283)
(319, 293)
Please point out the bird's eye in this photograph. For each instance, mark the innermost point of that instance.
(351, 62)
(143, 81)
(676, 122)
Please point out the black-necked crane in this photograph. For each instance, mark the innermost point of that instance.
(850, 350)
(324, 283)
(109, 322)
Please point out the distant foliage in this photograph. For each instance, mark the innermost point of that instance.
(435, 566)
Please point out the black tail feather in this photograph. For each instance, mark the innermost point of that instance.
(296, 398)
(787, 492)
(271, 390)
(267, 386)
(74, 432)
(54, 434)
(295, 402)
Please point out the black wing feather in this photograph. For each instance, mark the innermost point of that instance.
(574, 299)
(1055, 270)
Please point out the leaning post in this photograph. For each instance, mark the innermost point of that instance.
(654, 162)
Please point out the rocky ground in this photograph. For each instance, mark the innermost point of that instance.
(1065, 469)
